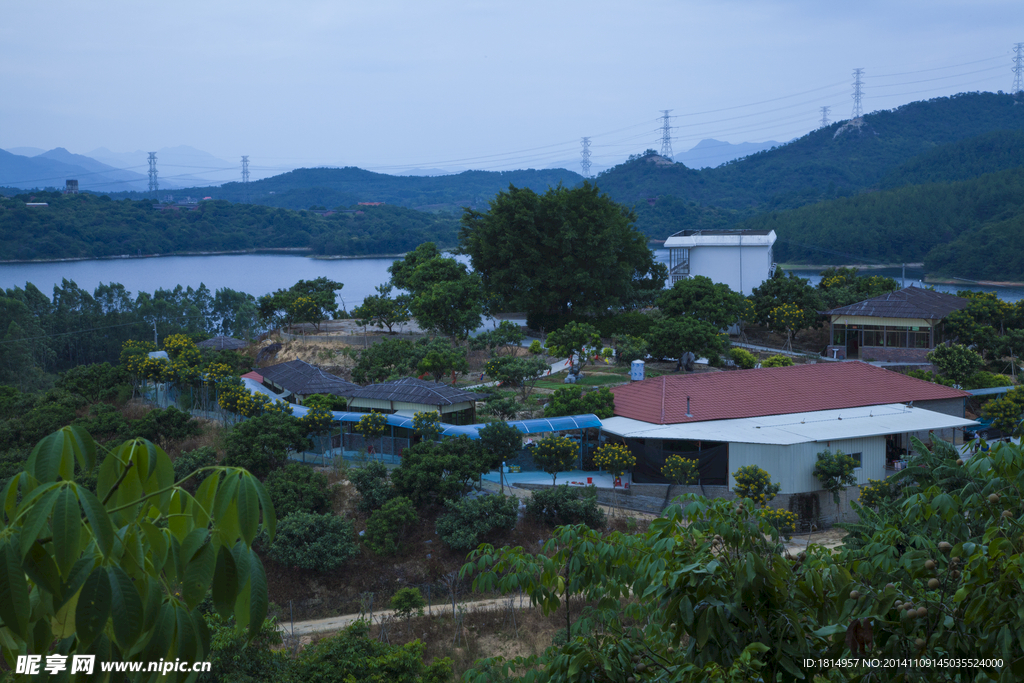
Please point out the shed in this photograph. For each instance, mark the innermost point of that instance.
(297, 379)
(222, 344)
(457, 406)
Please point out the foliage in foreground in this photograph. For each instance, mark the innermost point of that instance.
(933, 571)
(468, 520)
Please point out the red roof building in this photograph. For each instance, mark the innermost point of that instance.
(674, 399)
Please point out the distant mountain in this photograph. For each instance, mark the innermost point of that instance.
(25, 151)
(711, 153)
(98, 175)
(178, 167)
(304, 188)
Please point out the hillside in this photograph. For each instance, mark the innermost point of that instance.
(330, 187)
(938, 223)
(53, 168)
(84, 226)
(841, 160)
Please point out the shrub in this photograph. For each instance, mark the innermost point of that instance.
(835, 472)
(561, 505)
(754, 483)
(743, 358)
(261, 444)
(614, 458)
(438, 471)
(385, 528)
(468, 520)
(777, 361)
(190, 461)
(326, 401)
(371, 480)
(555, 454)
(681, 470)
(782, 521)
(298, 488)
(571, 400)
(309, 541)
(428, 424)
(407, 601)
(372, 424)
(874, 493)
(629, 348)
(535, 347)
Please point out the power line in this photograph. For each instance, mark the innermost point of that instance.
(153, 185)
(666, 135)
(245, 178)
(858, 111)
(585, 157)
(824, 116)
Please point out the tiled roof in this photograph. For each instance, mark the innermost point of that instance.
(910, 302)
(299, 377)
(410, 390)
(222, 343)
(771, 391)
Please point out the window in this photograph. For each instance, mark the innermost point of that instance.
(857, 457)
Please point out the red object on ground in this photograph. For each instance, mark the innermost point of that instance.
(253, 375)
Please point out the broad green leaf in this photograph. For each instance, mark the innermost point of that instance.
(269, 516)
(226, 494)
(93, 606)
(192, 543)
(40, 567)
(153, 597)
(78, 575)
(63, 621)
(35, 518)
(14, 597)
(9, 494)
(157, 544)
(67, 530)
(198, 576)
(99, 520)
(258, 601)
(162, 635)
(178, 523)
(185, 637)
(55, 456)
(248, 509)
(205, 494)
(125, 608)
(84, 447)
(225, 582)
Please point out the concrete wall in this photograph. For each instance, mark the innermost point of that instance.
(793, 466)
(742, 268)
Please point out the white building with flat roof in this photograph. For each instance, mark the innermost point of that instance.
(742, 259)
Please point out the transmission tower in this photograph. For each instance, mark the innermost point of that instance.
(153, 185)
(666, 135)
(824, 116)
(1018, 68)
(245, 179)
(858, 111)
(585, 157)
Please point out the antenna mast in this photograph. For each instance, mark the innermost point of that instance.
(858, 111)
(1018, 68)
(666, 135)
(824, 116)
(585, 157)
(153, 184)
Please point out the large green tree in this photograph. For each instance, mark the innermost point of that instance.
(672, 337)
(446, 297)
(565, 251)
(701, 298)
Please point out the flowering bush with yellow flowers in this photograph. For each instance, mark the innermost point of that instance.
(372, 424)
(874, 493)
(175, 344)
(783, 521)
(217, 371)
(681, 470)
(238, 399)
(614, 458)
(754, 483)
(428, 424)
(155, 369)
(555, 454)
(317, 420)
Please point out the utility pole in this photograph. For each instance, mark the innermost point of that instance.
(153, 185)
(585, 157)
(666, 135)
(858, 92)
(245, 179)
(824, 116)
(1018, 68)
(156, 343)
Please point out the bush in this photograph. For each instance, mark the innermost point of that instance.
(235, 658)
(571, 400)
(371, 480)
(261, 444)
(468, 520)
(298, 488)
(385, 528)
(754, 483)
(535, 347)
(681, 470)
(562, 505)
(407, 601)
(309, 541)
(434, 472)
(555, 454)
(614, 458)
(874, 493)
(782, 521)
(743, 358)
(190, 461)
(629, 348)
(777, 361)
(166, 426)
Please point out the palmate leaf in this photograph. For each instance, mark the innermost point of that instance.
(67, 530)
(14, 601)
(56, 454)
(93, 609)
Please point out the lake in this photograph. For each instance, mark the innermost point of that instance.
(260, 274)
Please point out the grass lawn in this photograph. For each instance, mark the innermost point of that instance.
(590, 379)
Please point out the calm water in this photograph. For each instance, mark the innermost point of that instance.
(260, 274)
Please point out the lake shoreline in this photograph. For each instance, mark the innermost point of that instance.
(292, 251)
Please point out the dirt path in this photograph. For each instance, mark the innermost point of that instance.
(331, 624)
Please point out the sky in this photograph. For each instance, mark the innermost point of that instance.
(396, 85)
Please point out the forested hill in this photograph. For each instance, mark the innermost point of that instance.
(330, 187)
(83, 226)
(969, 228)
(900, 146)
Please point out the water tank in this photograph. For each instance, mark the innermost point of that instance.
(636, 371)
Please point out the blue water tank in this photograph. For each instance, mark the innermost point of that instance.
(636, 371)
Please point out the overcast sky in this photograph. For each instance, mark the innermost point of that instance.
(392, 85)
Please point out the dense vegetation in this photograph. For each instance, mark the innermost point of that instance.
(89, 226)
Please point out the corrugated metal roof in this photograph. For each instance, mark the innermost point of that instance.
(299, 377)
(793, 428)
(411, 390)
(222, 344)
(557, 424)
(771, 391)
(910, 302)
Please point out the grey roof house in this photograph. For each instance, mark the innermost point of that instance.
(297, 379)
(409, 396)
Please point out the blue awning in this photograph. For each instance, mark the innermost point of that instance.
(557, 424)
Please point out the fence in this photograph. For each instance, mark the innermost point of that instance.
(347, 339)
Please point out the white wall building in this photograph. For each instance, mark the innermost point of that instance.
(742, 259)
